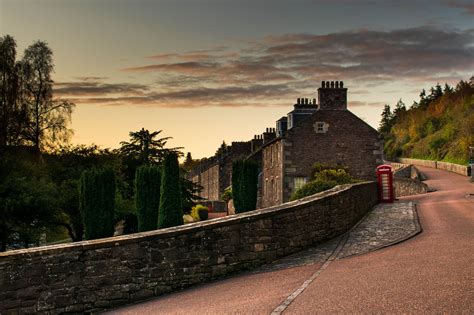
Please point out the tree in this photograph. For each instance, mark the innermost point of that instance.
(222, 149)
(11, 115)
(28, 199)
(189, 163)
(97, 202)
(448, 89)
(65, 167)
(170, 213)
(237, 169)
(386, 121)
(47, 118)
(147, 196)
(244, 185)
(399, 111)
(145, 147)
(189, 193)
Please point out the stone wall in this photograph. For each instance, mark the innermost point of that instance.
(408, 187)
(455, 168)
(451, 167)
(407, 180)
(95, 275)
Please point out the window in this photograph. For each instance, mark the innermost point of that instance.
(320, 127)
(299, 182)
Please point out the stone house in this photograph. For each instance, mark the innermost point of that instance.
(327, 133)
(313, 132)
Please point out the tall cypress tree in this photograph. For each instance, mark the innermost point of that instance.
(171, 212)
(147, 196)
(97, 203)
(244, 185)
(250, 178)
(236, 184)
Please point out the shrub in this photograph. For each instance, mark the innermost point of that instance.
(227, 195)
(200, 212)
(339, 176)
(325, 177)
(147, 196)
(170, 213)
(97, 203)
(312, 188)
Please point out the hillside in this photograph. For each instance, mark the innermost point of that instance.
(438, 127)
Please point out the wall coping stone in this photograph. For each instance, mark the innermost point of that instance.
(183, 229)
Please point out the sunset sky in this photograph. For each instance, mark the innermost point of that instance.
(207, 71)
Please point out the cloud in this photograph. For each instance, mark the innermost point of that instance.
(285, 66)
(467, 6)
(89, 87)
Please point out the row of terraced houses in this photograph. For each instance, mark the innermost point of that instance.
(322, 131)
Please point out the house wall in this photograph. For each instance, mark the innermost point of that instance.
(209, 180)
(272, 180)
(346, 141)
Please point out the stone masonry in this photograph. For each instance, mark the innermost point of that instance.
(91, 276)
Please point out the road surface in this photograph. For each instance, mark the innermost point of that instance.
(430, 273)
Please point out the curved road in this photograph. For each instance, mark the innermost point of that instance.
(430, 273)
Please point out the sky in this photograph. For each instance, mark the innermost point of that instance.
(207, 71)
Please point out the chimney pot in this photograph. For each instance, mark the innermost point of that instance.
(298, 101)
(337, 84)
(332, 84)
(314, 101)
(341, 84)
(323, 84)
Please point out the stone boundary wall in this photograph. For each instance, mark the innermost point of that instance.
(451, 167)
(91, 276)
(455, 168)
(407, 180)
(408, 187)
(401, 170)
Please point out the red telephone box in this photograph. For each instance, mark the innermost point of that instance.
(385, 183)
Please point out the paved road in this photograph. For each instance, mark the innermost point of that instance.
(431, 273)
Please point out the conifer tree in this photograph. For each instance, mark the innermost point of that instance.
(244, 185)
(170, 213)
(147, 196)
(237, 167)
(97, 203)
(386, 121)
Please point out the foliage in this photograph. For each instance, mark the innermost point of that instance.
(312, 187)
(65, 167)
(97, 202)
(11, 116)
(189, 193)
(170, 213)
(147, 196)
(222, 149)
(244, 185)
(438, 127)
(28, 200)
(324, 177)
(227, 195)
(199, 212)
(46, 117)
(145, 148)
(189, 163)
